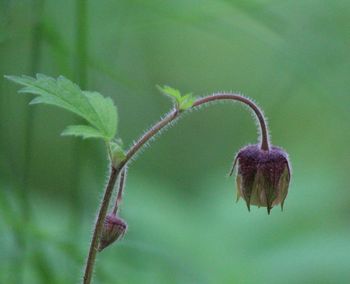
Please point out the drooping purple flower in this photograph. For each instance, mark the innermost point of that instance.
(263, 176)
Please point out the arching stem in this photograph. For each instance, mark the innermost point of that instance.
(259, 114)
(151, 132)
(115, 171)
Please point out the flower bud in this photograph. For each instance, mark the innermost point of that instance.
(114, 229)
(262, 176)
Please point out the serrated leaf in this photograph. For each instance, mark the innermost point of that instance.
(99, 111)
(106, 111)
(83, 131)
(171, 92)
(182, 102)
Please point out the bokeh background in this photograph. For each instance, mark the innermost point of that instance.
(292, 57)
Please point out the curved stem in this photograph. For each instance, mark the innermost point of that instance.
(175, 113)
(150, 133)
(115, 171)
(246, 101)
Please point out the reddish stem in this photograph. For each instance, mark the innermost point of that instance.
(134, 149)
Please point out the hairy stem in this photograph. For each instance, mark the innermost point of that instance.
(171, 116)
(89, 268)
(151, 132)
(246, 101)
(109, 189)
(120, 190)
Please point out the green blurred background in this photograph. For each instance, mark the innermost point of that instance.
(292, 57)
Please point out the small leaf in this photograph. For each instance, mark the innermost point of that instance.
(117, 153)
(170, 92)
(186, 101)
(99, 111)
(182, 102)
(84, 131)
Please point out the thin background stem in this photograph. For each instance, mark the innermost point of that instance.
(80, 67)
(115, 171)
(29, 115)
(38, 7)
(81, 43)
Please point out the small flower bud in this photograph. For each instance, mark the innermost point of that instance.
(114, 229)
(262, 176)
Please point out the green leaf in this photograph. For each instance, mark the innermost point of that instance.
(182, 102)
(186, 101)
(170, 92)
(99, 111)
(117, 152)
(84, 131)
(106, 111)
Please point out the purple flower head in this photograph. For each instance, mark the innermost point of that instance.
(262, 176)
